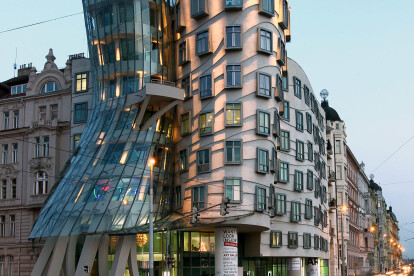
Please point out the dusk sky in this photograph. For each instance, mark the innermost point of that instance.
(360, 51)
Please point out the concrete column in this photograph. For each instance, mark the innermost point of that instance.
(122, 253)
(70, 264)
(43, 259)
(103, 256)
(294, 267)
(226, 251)
(58, 256)
(311, 267)
(87, 256)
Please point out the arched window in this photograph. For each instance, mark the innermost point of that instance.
(50, 87)
(40, 187)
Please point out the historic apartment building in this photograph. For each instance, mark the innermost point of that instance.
(35, 138)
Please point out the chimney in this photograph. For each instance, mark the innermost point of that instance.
(24, 70)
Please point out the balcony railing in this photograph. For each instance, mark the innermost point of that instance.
(163, 82)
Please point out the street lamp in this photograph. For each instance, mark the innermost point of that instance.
(372, 229)
(344, 208)
(151, 226)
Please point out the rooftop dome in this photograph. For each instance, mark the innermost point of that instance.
(331, 114)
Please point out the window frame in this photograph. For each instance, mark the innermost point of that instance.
(189, 123)
(183, 49)
(259, 84)
(298, 185)
(81, 79)
(264, 203)
(200, 12)
(308, 207)
(309, 176)
(274, 238)
(206, 76)
(209, 164)
(226, 161)
(186, 86)
(74, 113)
(284, 202)
(202, 39)
(205, 133)
(237, 47)
(283, 138)
(266, 11)
(233, 191)
(309, 124)
(290, 245)
(307, 237)
(258, 125)
(310, 151)
(297, 87)
(295, 217)
(241, 114)
(205, 187)
(300, 150)
(267, 164)
(286, 110)
(259, 34)
(233, 86)
(185, 169)
(299, 121)
(280, 172)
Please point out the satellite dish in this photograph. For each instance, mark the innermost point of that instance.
(324, 94)
(371, 176)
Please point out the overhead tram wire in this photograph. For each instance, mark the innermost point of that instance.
(41, 22)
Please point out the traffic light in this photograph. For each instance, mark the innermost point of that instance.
(194, 219)
(170, 262)
(223, 206)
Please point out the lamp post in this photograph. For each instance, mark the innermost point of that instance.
(151, 226)
(344, 208)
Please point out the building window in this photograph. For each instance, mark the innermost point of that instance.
(5, 153)
(12, 225)
(81, 82)
(16, 119)
(284, 140)
(265, 43)
(233, 37)
(185, 85)
(310, 151)
(316, 242)
(198, 8)
(338, 172)
(260, 199)
(183, 160)
(306, 240)
(337, 146)
(206, 123)
(309, 183)
(286, 111)
(297, 87)
(276, 124)
(198, 197)
(309, 122)
(178, 196)
(76, 139)
(46, 146)
(202, 43)
(182, 53)
(17, 89)
(275, 238)
(264, 85)
(185, 123)
(232, 4)
(203, 161)
(233, 114)
(262, 160)
(3, 191)
(126, 12)
(263, 123)
(307, 95)
(300, 150)
(308, 209)
(298, 180)
(42, 113)
(54, 111)
(13, 190)
(2, 265)
(37, 147)
(281, 53)
(81, 112)
(15, 148)
(285, 80)
(205, 87)
(2, 226)
(299, 121)
(295, 211)
(50, 87)
(280, 204)
(41, 186)
(6, 120)
(284, 172)
(233, 152)
(266, 7)
(10, 266)
(233, 189)
(293, 240)
(233, 75)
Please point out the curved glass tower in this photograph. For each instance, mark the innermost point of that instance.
(104, 188)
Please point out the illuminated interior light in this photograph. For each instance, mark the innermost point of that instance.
(203, 247)
(142, 239)
(77, 197)
(117, 90)
(125, 202)
(124, 157)
(118, 55)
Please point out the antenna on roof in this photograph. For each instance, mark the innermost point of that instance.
(15, 64)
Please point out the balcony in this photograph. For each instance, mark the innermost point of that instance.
(331, 177)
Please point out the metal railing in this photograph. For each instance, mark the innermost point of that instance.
(163, 82)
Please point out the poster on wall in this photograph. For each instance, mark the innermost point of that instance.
(226, 252)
